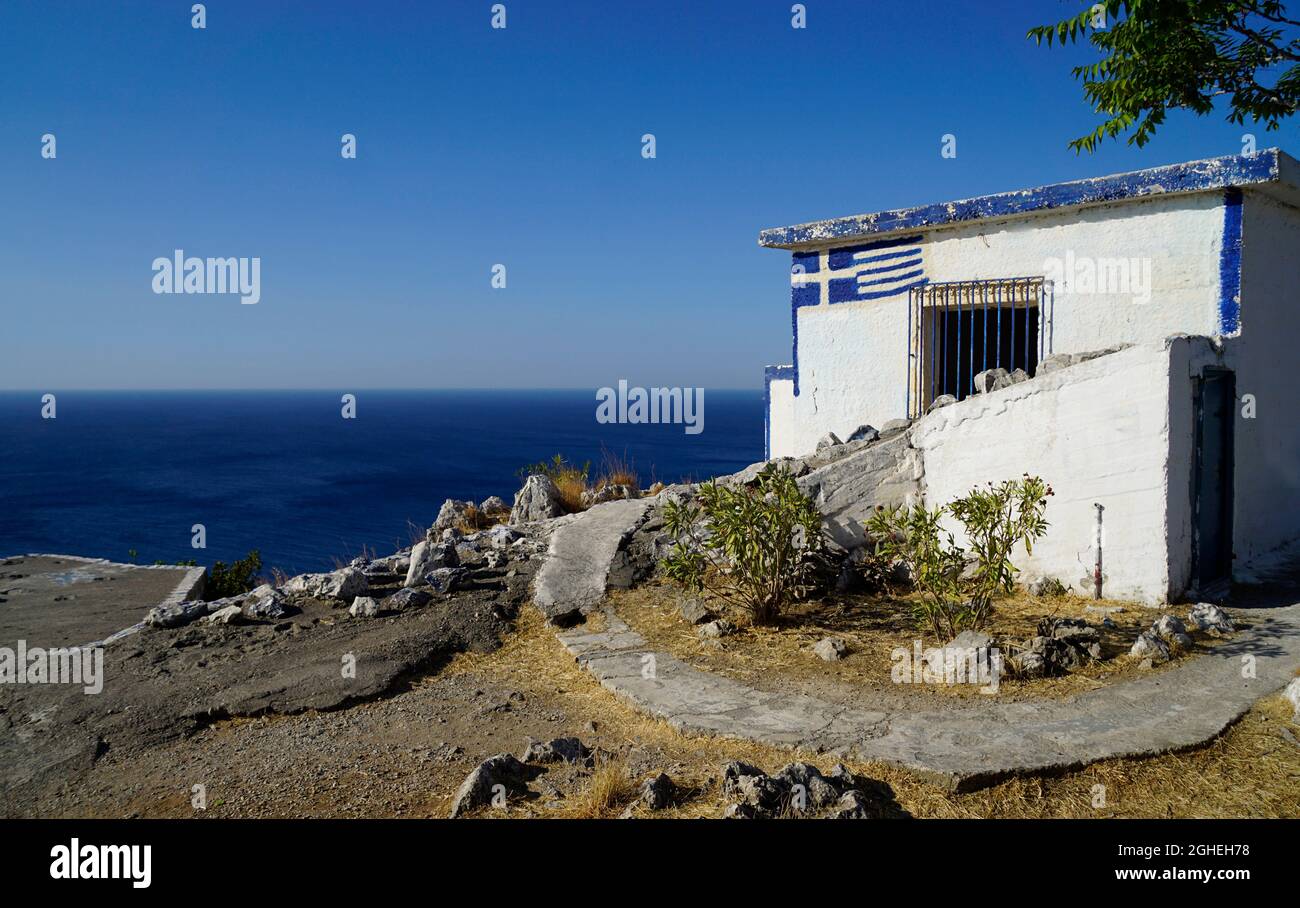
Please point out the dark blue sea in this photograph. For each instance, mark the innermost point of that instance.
(284, 473)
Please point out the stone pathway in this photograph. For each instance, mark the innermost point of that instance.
(968, 748)
(584, 559)
(964, 747)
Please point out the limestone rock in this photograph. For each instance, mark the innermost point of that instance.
(969, 640)
(558, 750)
(829, 440)
(450, 514)
(426, 556)
(265, 603)
(991, 380)
(230, 614)
(864, 433)
(1149, 646)
(446, 579)
(658, 792)
(1046, 586)
(1292, 695)
(345, 584)
(852, 806)
(592, 497)
(1061, 645)
(478, 788)
(1211, 619)
(181, 613)
(830, 649)
(696, 612)
(894, 426)
(719, 627)
(801, 788)
(364, 607)
(1172, 631)
(539, 499)
(407, 597)
(1082, 638)
(501, 536)
(494, 504)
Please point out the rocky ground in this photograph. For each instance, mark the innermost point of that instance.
(423, 684)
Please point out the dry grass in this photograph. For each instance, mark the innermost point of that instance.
(475, 520)
(874, 627)
(1252, 770)
(608, 791)
(618, 470)
(571, 487)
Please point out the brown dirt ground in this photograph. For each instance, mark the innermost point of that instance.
(404, 755)
(873, 626)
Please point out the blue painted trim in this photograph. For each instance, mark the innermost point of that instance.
(770, 374)
(1230, 264)
(1193, 176)
(881, 294)
(916, 250)
(845, 256)
(888, 269)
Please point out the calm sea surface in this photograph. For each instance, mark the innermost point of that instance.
(284, 473)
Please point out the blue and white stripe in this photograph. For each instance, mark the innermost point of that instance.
(867, 271)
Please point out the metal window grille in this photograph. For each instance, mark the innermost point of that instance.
(958, 329)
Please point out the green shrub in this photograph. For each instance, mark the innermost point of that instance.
(754, 548)
(996, 519)
(240, 577)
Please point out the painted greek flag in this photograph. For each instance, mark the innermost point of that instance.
(869, 271)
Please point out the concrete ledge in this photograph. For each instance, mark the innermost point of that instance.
(189, 587)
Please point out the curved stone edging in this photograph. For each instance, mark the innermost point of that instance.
(1173, 710)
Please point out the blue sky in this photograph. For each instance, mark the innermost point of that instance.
(478, 146)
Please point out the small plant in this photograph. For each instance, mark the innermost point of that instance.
(618, 471)
(239, 577)
(754, 548)
(570, 480)
(915, 538)
(996, 519)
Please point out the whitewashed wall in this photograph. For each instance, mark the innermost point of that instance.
(1267, 518)
(852, 356)
(1097, 432)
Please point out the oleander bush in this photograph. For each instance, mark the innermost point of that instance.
(957, 587)
(757, 549)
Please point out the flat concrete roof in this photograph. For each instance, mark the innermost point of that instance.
(1271, 171)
